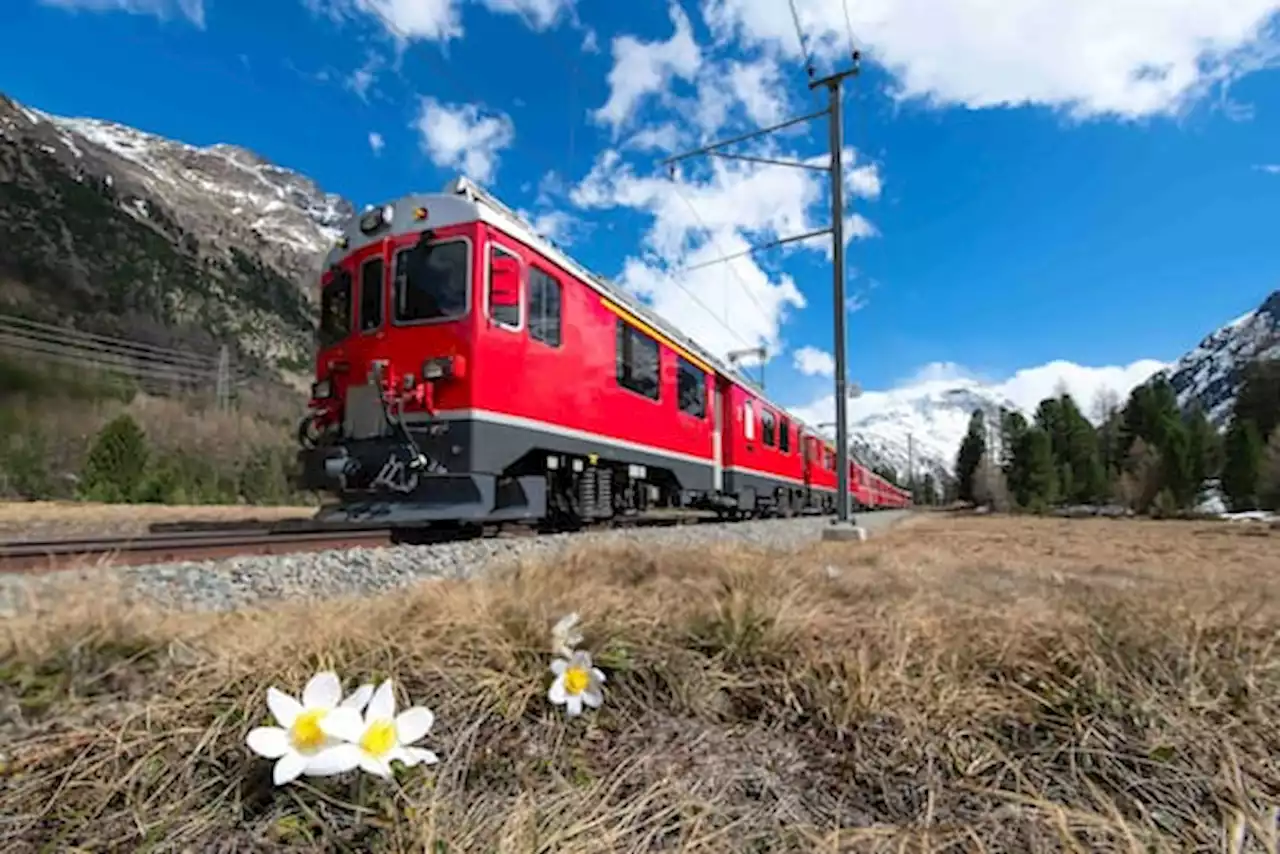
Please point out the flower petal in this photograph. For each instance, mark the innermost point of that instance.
(559, 666)
(323, 691)
(592, 698)
(288, 767)
(412, 724)
(598, 674)
(573, 704)
(333, 760)
(581, 658)
(346, 724)
(284, 708)
(359, 698)
(382, 706)
(419, 756)
(377, 767)
(269, 742)
(556, 692)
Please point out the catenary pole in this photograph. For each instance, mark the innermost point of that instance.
(835, 117)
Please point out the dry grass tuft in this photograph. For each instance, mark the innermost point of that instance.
(953, 685)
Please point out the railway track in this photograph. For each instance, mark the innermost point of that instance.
(171, 543)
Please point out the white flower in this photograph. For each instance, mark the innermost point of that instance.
(381, 736)
(577, 682)
(298, 744)
(564, 638)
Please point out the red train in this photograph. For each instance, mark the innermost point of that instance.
(468, 371)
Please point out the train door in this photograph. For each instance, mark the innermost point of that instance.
(807, 445)
(717, 435)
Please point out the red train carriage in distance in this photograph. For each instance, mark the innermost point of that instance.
(470, 372)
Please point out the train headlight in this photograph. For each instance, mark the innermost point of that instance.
(437, 369)
(321, 390)
(371, 221)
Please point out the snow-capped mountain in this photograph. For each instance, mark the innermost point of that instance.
(223, 189)
(1209, 374)
(150, 237)
(935, 413)
(922, 423)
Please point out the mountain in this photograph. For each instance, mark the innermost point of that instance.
(1209, 375)
(923, 423)
(935, 413)
(119, 231)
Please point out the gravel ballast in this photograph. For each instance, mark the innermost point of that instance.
(231, 583)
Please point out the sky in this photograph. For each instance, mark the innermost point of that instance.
(1082, 188)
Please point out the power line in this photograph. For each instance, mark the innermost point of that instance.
(848, 23)
(804, 50)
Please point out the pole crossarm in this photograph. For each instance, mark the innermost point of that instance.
(795, 238)
(771, 161)
(713, 146)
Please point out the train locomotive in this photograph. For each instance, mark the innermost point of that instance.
(469, 372)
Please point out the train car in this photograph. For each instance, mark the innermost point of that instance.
(468, 372)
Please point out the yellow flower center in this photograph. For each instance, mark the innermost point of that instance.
(305, 732)
(378, 738)
(576, 680)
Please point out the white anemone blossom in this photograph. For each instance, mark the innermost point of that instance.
(298, 744)
(565, 637)
(381, 736)
(577, 682)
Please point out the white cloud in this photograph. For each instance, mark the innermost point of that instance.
(461, 137)
(404, 20)
(362, 79)
(1269, 168)
(192, 10)
(538, 14)
(1028, 387)
(590, 41)
(1128, 58)
(643, 68)
(376, 142)
(813, 362)
(664, 138)
(559, 226)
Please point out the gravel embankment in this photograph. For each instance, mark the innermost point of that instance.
(237, 582)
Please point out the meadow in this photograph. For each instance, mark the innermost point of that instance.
(958, 683)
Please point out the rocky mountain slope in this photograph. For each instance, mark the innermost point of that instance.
(1209, 374)
(936, 414)
(120, 231)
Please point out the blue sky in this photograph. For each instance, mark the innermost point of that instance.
(1083, 182)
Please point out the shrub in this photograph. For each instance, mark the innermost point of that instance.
(117, 462)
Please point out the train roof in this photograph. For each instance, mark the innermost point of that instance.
(462, 200)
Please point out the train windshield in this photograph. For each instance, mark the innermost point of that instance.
(431, 282)
(335, 309)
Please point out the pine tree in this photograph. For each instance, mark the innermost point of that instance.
(117, 462)
(1039, 487)
(1177, 468)
(1205, 448)
(1258, 399)
(1012, 426)
(930, 490)
(1242, 469)
(1271, 473)
(970, 454)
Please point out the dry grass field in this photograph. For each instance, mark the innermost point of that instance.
(956, 684)
(38, 520)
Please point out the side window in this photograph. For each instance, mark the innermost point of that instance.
(504, 288)
(371, 295)
(335, 309)
(748, 421)
(691, 388)
(784, 438)
(544, 308)
(637, 361)
(768, 428)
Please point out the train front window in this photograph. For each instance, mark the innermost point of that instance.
(335, 309)
(431, 282)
